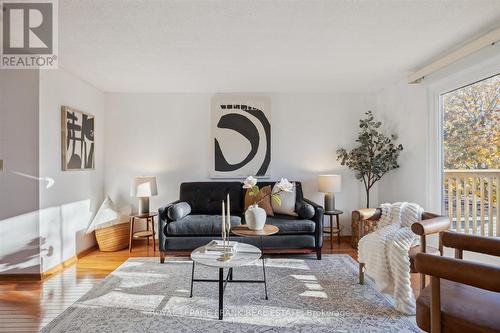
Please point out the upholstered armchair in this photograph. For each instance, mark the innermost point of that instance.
(463, 296)
(430, 224)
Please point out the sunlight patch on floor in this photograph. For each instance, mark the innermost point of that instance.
(314, 293)
(138, 279)
(287, 263)
(130, 263)
(313, 286)
(118, 299)
(304, 277)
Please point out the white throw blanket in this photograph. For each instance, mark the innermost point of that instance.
(385, 252)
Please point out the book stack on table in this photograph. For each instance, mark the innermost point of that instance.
(218, 246)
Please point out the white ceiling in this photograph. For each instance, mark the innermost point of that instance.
(261, 46)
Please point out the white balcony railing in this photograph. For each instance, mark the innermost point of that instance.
(472, 201)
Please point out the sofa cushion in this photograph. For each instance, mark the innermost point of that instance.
(206, 197)
(269, 242)
(264, 204)
(288, 200)
(178, 211)
(203, 225)
(306, 211)
(289, 226)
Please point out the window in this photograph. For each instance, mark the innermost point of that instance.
(471, 141)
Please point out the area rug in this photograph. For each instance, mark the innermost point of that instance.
(305, 295)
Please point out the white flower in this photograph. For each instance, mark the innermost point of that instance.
(284, 185)
(249, 182)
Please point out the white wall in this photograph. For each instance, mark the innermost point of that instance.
(403, 111)
(168, 135)
(19, 228)
(68, 206)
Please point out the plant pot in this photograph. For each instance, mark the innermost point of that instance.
(255, 217)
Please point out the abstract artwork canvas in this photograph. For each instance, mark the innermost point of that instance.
(77, 139)
(241, 136)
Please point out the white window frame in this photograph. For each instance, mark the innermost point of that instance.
(455, 77)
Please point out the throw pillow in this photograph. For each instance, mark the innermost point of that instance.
(108, 215)
(178, 211)
(287, 206)
(264, 204)
(306, 211)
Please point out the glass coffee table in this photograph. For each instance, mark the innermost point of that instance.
(246, 254)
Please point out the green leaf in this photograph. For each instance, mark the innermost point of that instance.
(254, 191)
(276, 199)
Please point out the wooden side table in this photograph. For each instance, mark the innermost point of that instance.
(149, 217)
(331, 229)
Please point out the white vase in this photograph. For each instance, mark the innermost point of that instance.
(255, 217)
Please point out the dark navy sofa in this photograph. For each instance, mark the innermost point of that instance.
(203, 224)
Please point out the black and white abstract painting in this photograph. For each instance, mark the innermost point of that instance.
(241, 136)
(77, 139)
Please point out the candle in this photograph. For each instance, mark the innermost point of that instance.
(228, 214)
(223, 222)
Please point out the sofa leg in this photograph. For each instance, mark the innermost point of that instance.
(162, 257)
(318, 254)
(361, 273)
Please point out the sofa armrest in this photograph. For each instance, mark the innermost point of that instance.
(479, 244)
(318, 219)
(431, 226)
(462, 271)
(163, 220)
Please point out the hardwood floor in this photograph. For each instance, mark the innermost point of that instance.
(26, 306)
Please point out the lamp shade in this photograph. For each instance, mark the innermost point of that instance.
(144, 186)
(330, 183)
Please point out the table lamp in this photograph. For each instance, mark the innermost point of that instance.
(330, 184)
(144, 187)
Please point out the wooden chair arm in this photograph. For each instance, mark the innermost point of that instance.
(431, 226)
(462, 271)
(479, 244)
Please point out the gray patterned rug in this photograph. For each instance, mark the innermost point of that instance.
(305, 295)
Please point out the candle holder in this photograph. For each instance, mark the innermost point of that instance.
(226, 221)
(226, 253)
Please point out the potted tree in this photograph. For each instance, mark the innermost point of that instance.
(375, 155)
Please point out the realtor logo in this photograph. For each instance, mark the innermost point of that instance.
(29, 34)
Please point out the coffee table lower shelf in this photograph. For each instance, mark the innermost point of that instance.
(223, 283)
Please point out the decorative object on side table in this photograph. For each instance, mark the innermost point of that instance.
(144, 187)
(331, 229)
(329, 184)
(149, 217)
(255, 217)
(375, 155)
